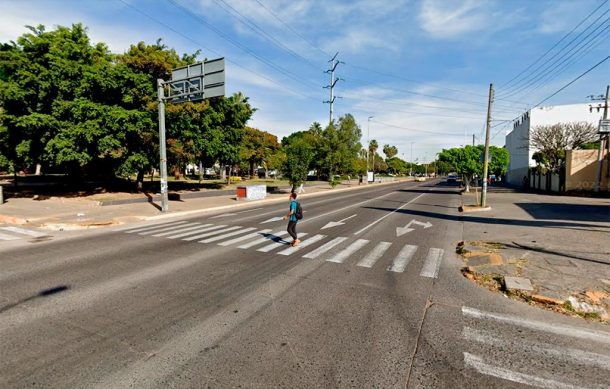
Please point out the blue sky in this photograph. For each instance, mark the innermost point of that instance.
(421, 68)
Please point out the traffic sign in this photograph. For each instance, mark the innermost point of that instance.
(198, 81)
(604, 127)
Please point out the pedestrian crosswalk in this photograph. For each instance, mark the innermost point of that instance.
(363, 253)
(16, 233)
(491, 336)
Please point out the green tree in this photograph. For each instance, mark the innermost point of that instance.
(257, 147)
(390, 151)
(298, 158)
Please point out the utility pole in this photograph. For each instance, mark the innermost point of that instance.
(473, 140)
(162, 145)
(603, 139)
(411, 161)
(486, 155)
(334, 62)
(368, 144)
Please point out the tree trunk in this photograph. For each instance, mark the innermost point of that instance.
(38, 169)
(252, 170)
(177, 172)
(140, 180)
(223, 172)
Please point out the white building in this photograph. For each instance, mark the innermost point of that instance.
(517, 141)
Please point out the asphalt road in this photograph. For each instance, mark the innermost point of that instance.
(373, 299)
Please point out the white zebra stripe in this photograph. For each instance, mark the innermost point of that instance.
(211, 233)
(35, 234)
(243, 238)
(342, 255)
(224, 236)
(276, 244)
(8, 237)
(433, 262)
(477, 363)
(374, 255)
(158, 225)
(324, 248)
(305, 243)
(202, 228)
(156, 230)
(189, 228)
(402, 259)
(273, 236)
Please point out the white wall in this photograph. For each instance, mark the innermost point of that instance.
(517, 142)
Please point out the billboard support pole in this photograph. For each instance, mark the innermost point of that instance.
(162, 146)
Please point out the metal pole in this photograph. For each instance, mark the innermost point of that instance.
(1, 195)
(411, 161)
(162, 146)
(602, 140)
(486, 155)
(368, 141)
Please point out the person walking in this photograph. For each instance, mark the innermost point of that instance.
(292, 219)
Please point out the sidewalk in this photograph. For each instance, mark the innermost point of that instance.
(60, 213)
(559, 244)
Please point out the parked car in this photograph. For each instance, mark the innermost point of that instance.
(452, 177)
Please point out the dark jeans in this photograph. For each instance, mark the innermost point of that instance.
(292, 229)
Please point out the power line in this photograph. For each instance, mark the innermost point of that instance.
(541, 69)
(198, 44)
(554, 73)
(555, 45)
(563, 59)
(292, 29)
(413, 129)
(241, 46)
(568, 84)
(257, 29)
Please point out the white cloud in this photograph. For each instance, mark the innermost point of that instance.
(447, 19)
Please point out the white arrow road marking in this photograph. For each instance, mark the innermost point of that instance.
(273, 219)
(386, 215)
(339, 223)
(406, 229)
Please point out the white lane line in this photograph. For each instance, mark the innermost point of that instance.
(23, 231)
(324, 248)
(402, 259)
(273, 236)
(433, 263)
(276, 244)
(477, 363)
(565, 354)
(210, 233)
(304, 243)
(224, 236)
(245, 237)
(161, 229)
(388, 214)
(8, 237)
(159, 225)
(197, 231)
(374, 255)
(183, 229)
(342, 255)
(558, 329)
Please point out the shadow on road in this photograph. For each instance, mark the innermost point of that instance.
(558, 211)
(42, 293)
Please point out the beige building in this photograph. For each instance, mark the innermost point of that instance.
(581, 167)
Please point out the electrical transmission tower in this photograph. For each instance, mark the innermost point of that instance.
(334, 62)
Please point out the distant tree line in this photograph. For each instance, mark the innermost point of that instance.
(70, 106)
